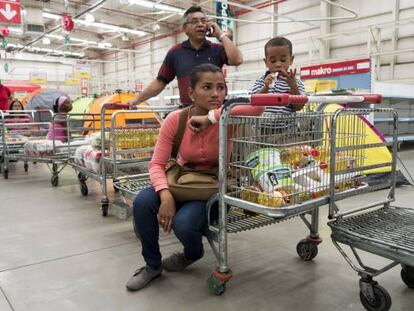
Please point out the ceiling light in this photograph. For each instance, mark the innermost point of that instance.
(159, 6)
(99, 25)
(104, 44)
(18, 55)
(89, 18)
(156, 27)
(124, 37)
(46, 40)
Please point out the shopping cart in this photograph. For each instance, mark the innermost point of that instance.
(279, 167)
(26, 141)
(127, 141)
(378, 227)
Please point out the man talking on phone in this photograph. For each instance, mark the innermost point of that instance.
(183, 57)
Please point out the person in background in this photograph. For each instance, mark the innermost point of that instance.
(5, 97)
(279, 78)
(14, 107)
(156, 206)
(183, 57)
(58, 129)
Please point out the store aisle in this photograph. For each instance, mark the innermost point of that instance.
(58, 253)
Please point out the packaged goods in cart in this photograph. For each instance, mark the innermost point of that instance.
(40, 147)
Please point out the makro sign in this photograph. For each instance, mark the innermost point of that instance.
(336, 69)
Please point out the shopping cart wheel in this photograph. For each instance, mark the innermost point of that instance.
(381, 301)
(83, 188)
(26, 167)
(306, 250)
(54, 180)
(105, 209)
(6, 174)
(407, 275)
(216, 282)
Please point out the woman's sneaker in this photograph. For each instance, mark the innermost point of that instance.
(176, 262)
(142, 277)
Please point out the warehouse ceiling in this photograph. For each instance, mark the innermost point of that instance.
(99, 25)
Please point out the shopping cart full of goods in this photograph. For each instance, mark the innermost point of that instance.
(275, 167)
(28, 140)
(378, 226)
(124, 146)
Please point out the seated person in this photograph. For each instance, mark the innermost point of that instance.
(156, 206)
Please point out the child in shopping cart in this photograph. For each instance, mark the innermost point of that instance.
(58, 129)
(156, 206)
(278, 78)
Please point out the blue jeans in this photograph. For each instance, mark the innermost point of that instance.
(188, 224)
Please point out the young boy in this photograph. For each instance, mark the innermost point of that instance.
(278, 78)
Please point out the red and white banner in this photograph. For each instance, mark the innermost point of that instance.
(335, 69)
(10, 12)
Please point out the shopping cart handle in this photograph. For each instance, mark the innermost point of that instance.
(277, 99)
(371, 98)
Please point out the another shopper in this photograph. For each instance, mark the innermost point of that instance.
(5, 97)
(58, 129)
(183, 57)
(156, 206)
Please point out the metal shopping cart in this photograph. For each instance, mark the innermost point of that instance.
(127, 141)
(377, 227)
(26, 141)
(279, 167)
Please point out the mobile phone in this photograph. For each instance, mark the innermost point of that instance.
(210, 32)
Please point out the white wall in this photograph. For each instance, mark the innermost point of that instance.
(54, 68)
(309, 44)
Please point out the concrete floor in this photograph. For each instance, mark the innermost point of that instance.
(58, 253)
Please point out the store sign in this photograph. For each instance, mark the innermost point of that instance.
(84, 87)
(223, 10)
(336, 69)
(82, 71)
(71, 80)
(10, 12)
(38, 77)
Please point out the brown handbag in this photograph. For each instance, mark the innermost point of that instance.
(184, 182)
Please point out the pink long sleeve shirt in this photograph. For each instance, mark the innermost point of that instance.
(198, 149)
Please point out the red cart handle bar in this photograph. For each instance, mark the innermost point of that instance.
(281, 99)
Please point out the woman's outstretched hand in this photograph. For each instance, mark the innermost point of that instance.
(199, 123)
(167, 210)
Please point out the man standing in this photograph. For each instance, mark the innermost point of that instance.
(5, 97)
(183, 57)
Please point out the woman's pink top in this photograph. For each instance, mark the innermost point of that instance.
(199, 149)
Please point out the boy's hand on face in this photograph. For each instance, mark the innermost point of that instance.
(289, 77)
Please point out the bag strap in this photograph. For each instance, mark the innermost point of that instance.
(180, 131)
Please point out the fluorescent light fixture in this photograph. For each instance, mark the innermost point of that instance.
(158, 6)
(72, 39)
(89, 18)
(18, 55)
(156, 27)
(46, 50)
(98, 25)
(104, 44)
(46, 40)
(15, 30)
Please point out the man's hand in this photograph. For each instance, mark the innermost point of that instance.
(199, 123)
(132, 102)
(216, 29)
(167, 210)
